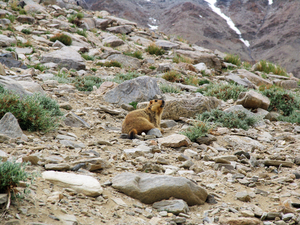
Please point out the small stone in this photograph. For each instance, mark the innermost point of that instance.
(243, 196)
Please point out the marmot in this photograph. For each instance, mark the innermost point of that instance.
(143, 120)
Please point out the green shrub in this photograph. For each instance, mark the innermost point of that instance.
(38, 66)
(22, 12)
(228, 119)
(86, 83)
(82, 32)
(167, 88)
(247, 65)
(120, 77)
(11, 18)
(136, 54)
(223, 91)
(26, 31)
(80, 16)
(199, 129)
(88, 57)
(49, 104)
(268, 67)
(152, 67)
(93, 69)
(172, 76)
(204, 74)
(191, 80)
(178, 59)
(10, 49)
(153, 49)
(31, 114)
(22, 45)
(203, 81)
(282, 101)
(72, 18)
(112, 63)
(63, 38)
(134, 104)
(234, 59)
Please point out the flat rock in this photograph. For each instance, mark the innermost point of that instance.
(278, 163)
(239, 142)
(9, 126)
(243, 196)
(123, 29)
(136, 90)
(172, 206)
(174, 141)
(239, 221)
(150, 188)
(8, 60)
(113, 41)
(166, 45)
(7, 41)
(59, 166)
(65, 57)
(80, 183)
(253, 99)
(73, 120)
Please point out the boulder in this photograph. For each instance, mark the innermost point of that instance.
(141, 41)
(73, 120)
(240, 81)
(65, 57)
(32, 87)
(126, 61)
(102, 23)
(189, 107)
(172, 206)
(80, 183)
(150, 188)
(123, 29)
(9, 126)
(210, 60)
(25, 19)
(9, 60)
(136, 90)
(174, 141)
(252, 77)
(87, 23)
(7, 41)
(238, 143)
(120, 21)
(113, 41)
(253, 99)
(13, 85)
(286, 84)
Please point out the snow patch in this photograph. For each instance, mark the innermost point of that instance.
(270, 2)
(228, 20)
(152, 27)
(200, 16)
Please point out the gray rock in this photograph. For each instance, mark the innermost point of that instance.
(243, 196)
(3, 198)
(9, 126)
(287, 84)
(238, 142)
(207, 139)
(2, 70)
(80, 183)
(87, 23)
(113, 41)
(3, 155)
(136, 90)
(123, 29)
(174, 141)
(156, 132)
(172, 206)
(164, 67)
(278, 163)
(252, 77)
(126, 61)
(239, 221)
(25, 19)
(58, 44)
(65, 57)
(7, 41)
(167, 123)
(273, 116)
(253, 99)
(189, 107)
(32, 87)
(60, 166)
(166, 45)
(72, 144)
(150, 188)
(102, 23)
(4, 22)
(240, 81)
(8, 60)
(73, 120)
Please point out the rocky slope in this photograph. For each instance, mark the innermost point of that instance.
(87, 172)
(270, 29)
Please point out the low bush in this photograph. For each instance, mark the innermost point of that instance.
(281, 100)
(191, 80)
(32, 112)
(167, 88)
(11, 18)
(152, 67)
(82, 32)
(134, 104)
(178, 59)
(199, 129)
(38, 66)
(120, 77)
(88, 57)
(268, 67)
(234, 59)
(136, 54)
(86, 83)
(172, 76)
(228, 119)
(153, 49)
(26, 31)
(63, 38)
(203, 81)
(224, 91)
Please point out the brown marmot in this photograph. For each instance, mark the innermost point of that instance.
(143, 120)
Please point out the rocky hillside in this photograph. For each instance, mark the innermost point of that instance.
(96, 67)
(270, 29)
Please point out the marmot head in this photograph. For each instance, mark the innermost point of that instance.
(156, 105)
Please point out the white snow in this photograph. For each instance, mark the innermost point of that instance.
(270, 2)
(228, 20)
(152, 27)
(200, 16)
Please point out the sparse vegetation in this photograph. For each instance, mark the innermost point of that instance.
(199, 129)
(268, 67)
(63, 38)
(168, 88)
(203, 81)
(111, 63)
(234, 59)
(223, 91)
(26, 31)
(134, 104)
(152, 67)
(38, 66)
(22, 45)
(86, 83)
(178, 59)
(153, 49)
(191, 80)
(172, 76)
(120, 78)
(88, 57)
(82, 32)
(11, 17)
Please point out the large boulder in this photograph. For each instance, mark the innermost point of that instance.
(252, 77)
(136, 90)
(253, 99)
(166, 45)
(9, 60)
(126, 61)
(65, 57)
(10, 127)
(189, 107)
(14, 86)
(150, 188)
(7, 41)
(210, 60)
(123, 29)
(81, 183)
(113, 41)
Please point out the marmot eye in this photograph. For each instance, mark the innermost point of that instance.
(155, 100)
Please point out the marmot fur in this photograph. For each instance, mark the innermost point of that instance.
(143, 120)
